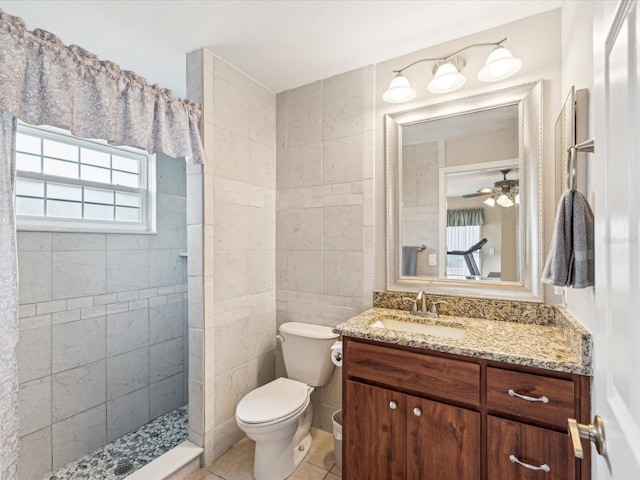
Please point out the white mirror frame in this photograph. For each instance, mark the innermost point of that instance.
(528, 97)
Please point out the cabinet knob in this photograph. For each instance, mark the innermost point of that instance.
(543, 468)
(417, 412)
(393, 405)
(513, 393)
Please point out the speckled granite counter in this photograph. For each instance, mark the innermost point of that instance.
(561, 344)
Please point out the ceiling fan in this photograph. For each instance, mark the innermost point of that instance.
(504, 192)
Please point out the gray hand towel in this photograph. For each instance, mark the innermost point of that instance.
(409, 261)
(570, 260)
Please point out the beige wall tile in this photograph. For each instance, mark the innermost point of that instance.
(342, 228)
(304, 271)
(343, 105)
(304, 115)
(304, 165)
(342, 160)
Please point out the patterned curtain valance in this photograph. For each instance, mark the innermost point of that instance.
(465, 217)
(44, 82)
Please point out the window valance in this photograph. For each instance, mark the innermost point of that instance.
(465, 217)
(44, 82)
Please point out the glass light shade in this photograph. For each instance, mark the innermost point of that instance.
(490, 201)
(499, 65)
(504, 201)
(399, 90)
(447, 79)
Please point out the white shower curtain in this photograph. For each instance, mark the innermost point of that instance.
(8, 304)
(44, 82)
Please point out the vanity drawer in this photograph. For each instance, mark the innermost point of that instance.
(503, 386)
(420, 373)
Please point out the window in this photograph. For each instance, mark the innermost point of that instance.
(67, 183)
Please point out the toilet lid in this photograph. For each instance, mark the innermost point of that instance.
(277, 399)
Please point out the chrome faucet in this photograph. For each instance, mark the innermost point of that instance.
(421, 298)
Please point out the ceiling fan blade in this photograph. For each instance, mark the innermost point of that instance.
(479, 193)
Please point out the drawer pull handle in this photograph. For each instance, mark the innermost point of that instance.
(417, 412)
(393, 405)
(542, 399)
(544, 467)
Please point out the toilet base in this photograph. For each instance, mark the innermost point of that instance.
(277, 460)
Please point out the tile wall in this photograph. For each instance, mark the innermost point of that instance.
(324, 245)
(102, 331)
(233, 224)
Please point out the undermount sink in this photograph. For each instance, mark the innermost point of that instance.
(415, 327)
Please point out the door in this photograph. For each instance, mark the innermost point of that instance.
(617, 214)
(375, 433)
(443, 441)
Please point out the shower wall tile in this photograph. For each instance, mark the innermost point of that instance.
(127, 270)
(304, 229)
(127, 413)
(166, 267)
(78, 273)
(34, 353)
(165, 359)
(35, 455)
(77, 390)
(121, 241)
(127, 331)
(77, 343)
(34, 280)
(303, 165)
(34, 241)
(166, 395)
(127, 372)
(165, 322)
(78, 435)
(35, 405)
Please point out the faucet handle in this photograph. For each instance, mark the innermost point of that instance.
(434, 308)
(414, 305)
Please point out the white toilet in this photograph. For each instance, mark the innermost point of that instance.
(278, 415)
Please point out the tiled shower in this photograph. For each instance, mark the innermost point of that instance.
(103, 343)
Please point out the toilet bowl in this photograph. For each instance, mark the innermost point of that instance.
(278, 415)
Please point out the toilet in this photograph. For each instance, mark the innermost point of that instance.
(277, 416)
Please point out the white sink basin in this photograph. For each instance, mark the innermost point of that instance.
(423, 328)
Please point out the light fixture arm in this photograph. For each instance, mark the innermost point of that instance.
(448, 57)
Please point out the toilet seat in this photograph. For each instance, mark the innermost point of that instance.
(274, 402)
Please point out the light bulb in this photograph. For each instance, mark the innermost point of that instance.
(504, 201)
(490, 201)
(399, 90)
(499, 65)
(447, 79)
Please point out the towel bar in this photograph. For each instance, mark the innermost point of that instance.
(586, 146)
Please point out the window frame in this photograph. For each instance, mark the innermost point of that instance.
(147, 187)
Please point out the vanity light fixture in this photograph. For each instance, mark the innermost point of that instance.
(446, 72)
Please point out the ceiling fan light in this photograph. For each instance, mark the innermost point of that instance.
(490, 201)
(504, 201)
(399, 90)
(447, 79)
(500, 64)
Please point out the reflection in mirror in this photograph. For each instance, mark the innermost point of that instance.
(460, 186)
(463, 183)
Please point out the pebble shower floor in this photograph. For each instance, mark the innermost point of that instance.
(127, 454)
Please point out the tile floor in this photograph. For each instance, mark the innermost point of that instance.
(237, 463)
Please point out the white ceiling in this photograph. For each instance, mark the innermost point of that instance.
(282, 44)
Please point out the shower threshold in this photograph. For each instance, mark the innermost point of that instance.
(131, 452)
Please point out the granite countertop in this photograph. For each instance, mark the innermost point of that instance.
(564, 348)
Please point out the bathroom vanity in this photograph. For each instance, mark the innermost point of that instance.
(490, 404)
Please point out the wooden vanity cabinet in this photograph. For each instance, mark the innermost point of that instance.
(420, 415)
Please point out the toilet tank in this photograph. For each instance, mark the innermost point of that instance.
(306, 349)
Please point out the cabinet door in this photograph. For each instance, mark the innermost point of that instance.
(537, 449)
(374, 433)
(443, 442)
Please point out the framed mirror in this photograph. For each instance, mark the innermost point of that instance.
(464, 206)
